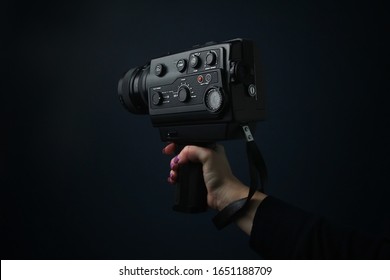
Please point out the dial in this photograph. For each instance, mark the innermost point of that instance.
(213, 100)
(159, 70)
(181, 65)
(194, 61)
(211, 58)
(157, 98)
(183, 93)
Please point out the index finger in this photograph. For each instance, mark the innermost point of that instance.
(169, 149)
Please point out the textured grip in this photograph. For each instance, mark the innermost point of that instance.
(191, 192)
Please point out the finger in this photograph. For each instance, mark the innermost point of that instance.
(175, 163)
(172, 177)
(169, 149)
(170, 181)
(193, 154)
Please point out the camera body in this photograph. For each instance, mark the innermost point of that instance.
(199, 95)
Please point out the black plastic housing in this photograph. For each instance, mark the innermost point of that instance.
(206, 102)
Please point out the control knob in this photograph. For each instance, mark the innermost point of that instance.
(157, 98)
(214, 100)
(211, 58)
(184, 93)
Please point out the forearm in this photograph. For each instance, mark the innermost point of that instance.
(233, 191)
(245, 221)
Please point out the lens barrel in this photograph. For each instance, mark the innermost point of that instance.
(132, 90)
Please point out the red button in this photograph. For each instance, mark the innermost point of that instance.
(200, 79)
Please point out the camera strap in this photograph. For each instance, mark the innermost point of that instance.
(257, 170)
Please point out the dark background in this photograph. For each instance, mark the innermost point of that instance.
(83, 178)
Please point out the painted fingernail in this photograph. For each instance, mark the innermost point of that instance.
(176, 159)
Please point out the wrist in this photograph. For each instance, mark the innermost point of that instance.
(232, 190)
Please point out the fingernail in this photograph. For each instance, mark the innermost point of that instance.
(173, 165)
(176, 159)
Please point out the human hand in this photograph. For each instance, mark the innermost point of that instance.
(222, 186)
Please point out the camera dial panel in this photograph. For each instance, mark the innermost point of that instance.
(188, 94)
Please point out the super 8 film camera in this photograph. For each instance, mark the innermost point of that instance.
(198, 96)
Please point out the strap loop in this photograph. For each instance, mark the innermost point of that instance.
(257, 169)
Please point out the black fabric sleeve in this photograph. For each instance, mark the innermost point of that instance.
(282, 231)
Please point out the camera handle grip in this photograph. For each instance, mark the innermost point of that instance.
(191, 192)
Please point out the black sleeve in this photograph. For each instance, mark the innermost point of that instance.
(282, 231)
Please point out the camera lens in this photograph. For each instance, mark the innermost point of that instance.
(132, 90)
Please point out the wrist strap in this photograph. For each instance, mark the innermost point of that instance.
(257, 170)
